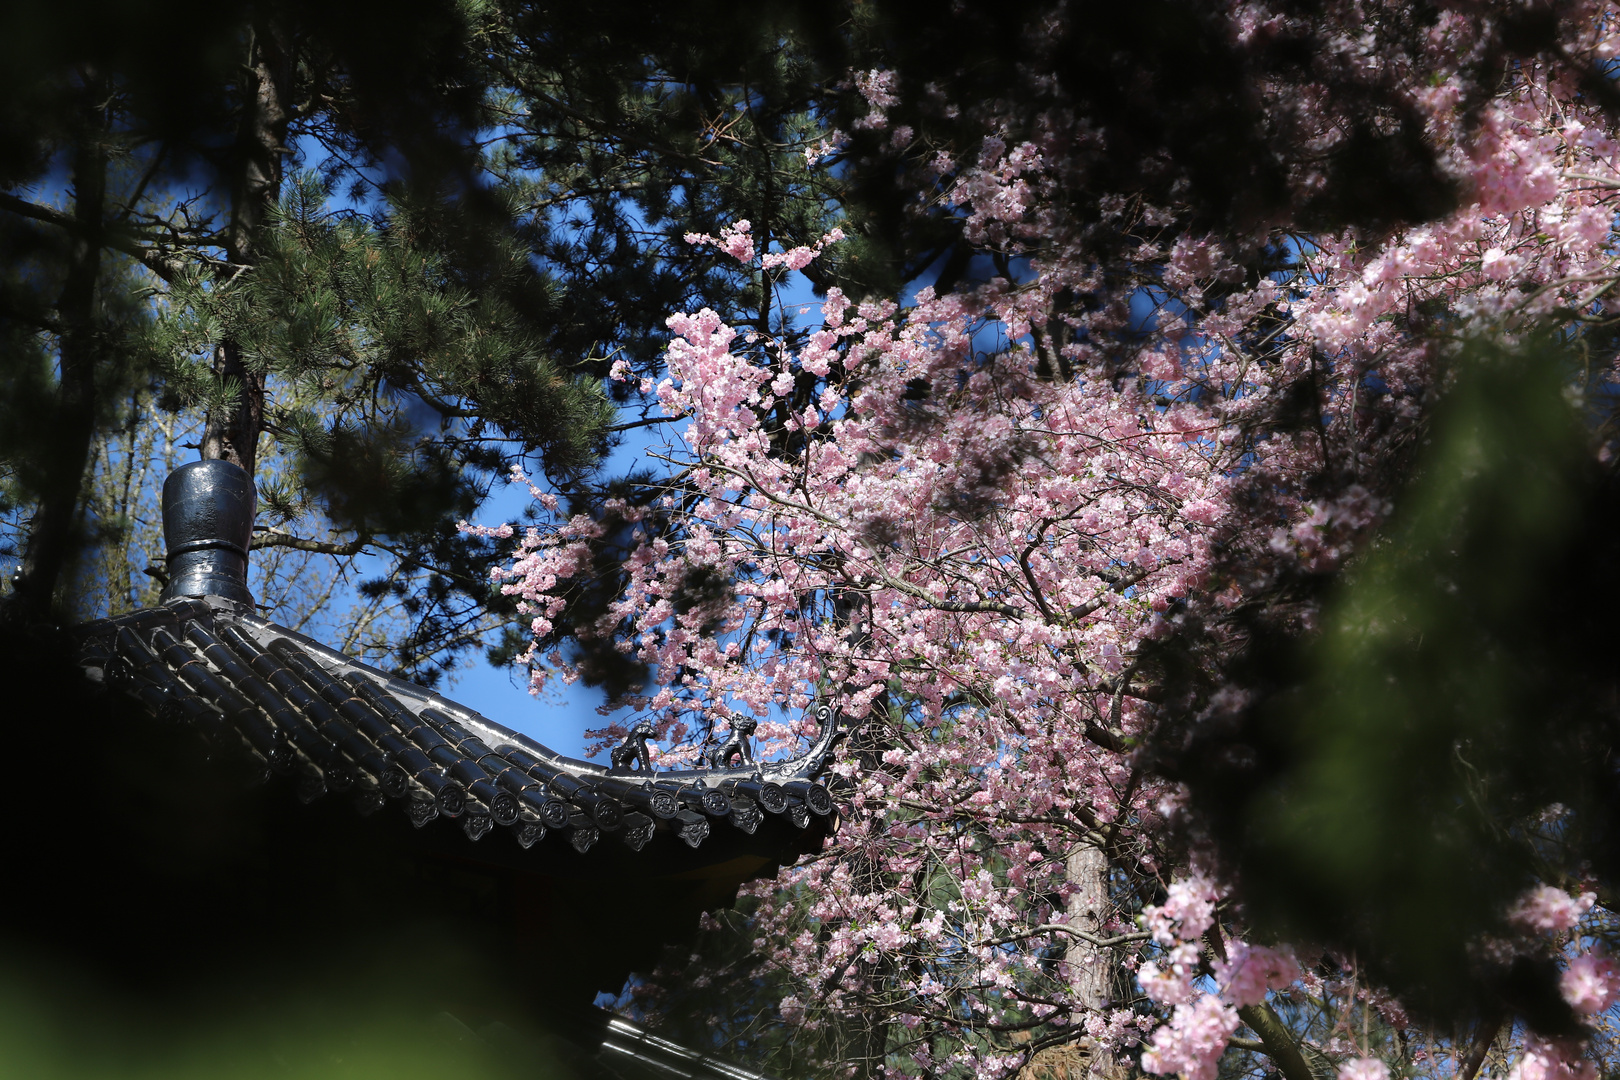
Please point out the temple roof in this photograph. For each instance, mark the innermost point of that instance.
(284, 705)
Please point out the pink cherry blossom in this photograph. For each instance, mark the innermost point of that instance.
(993, 502)
(1186, 913)
(1590, 983)
(1549, 910)
(1542, 1060)
(1249, 971)
(1192, 1043)
(734, 240)
(1364, 1068)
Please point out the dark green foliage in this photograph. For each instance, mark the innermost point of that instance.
(630, 125)
(368, 324)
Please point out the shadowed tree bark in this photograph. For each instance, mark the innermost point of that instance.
(54, 540)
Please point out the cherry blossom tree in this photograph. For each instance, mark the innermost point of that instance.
(974, 519)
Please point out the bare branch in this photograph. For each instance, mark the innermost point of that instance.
(928, 598)
(163, 266)
(644, 422)
(1062, 928)
(270, 538)
(1601, 181)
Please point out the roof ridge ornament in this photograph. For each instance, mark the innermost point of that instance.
(208, 510)
(740, 744)
(634, 749)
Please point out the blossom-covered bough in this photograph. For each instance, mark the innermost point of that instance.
(969, 518)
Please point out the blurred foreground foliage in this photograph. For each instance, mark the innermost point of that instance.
(54, 1029)
(1406, 747)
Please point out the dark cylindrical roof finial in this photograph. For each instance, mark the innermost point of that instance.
(208, 509)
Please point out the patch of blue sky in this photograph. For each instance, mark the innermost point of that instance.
(568, 712)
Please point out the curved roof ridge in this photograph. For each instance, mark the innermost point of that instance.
(805, 765)
(290, 705)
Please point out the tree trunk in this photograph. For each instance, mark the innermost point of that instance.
(872, 1032)
(53, 535)
(867, 744)
(233, 433)
(1092, 971)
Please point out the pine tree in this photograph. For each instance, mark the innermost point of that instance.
(377, 266)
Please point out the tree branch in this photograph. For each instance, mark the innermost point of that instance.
(269, 538)
(1105, 738)
(644, 422)
(1601, 181)
(1063, 928)
(272, 538)
(1118, 585)
(442, 407)
(1029, 572)
(1276, 1041)
(1482, 1045)
(1278, 1044)
(166, 268)
(909, 589)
